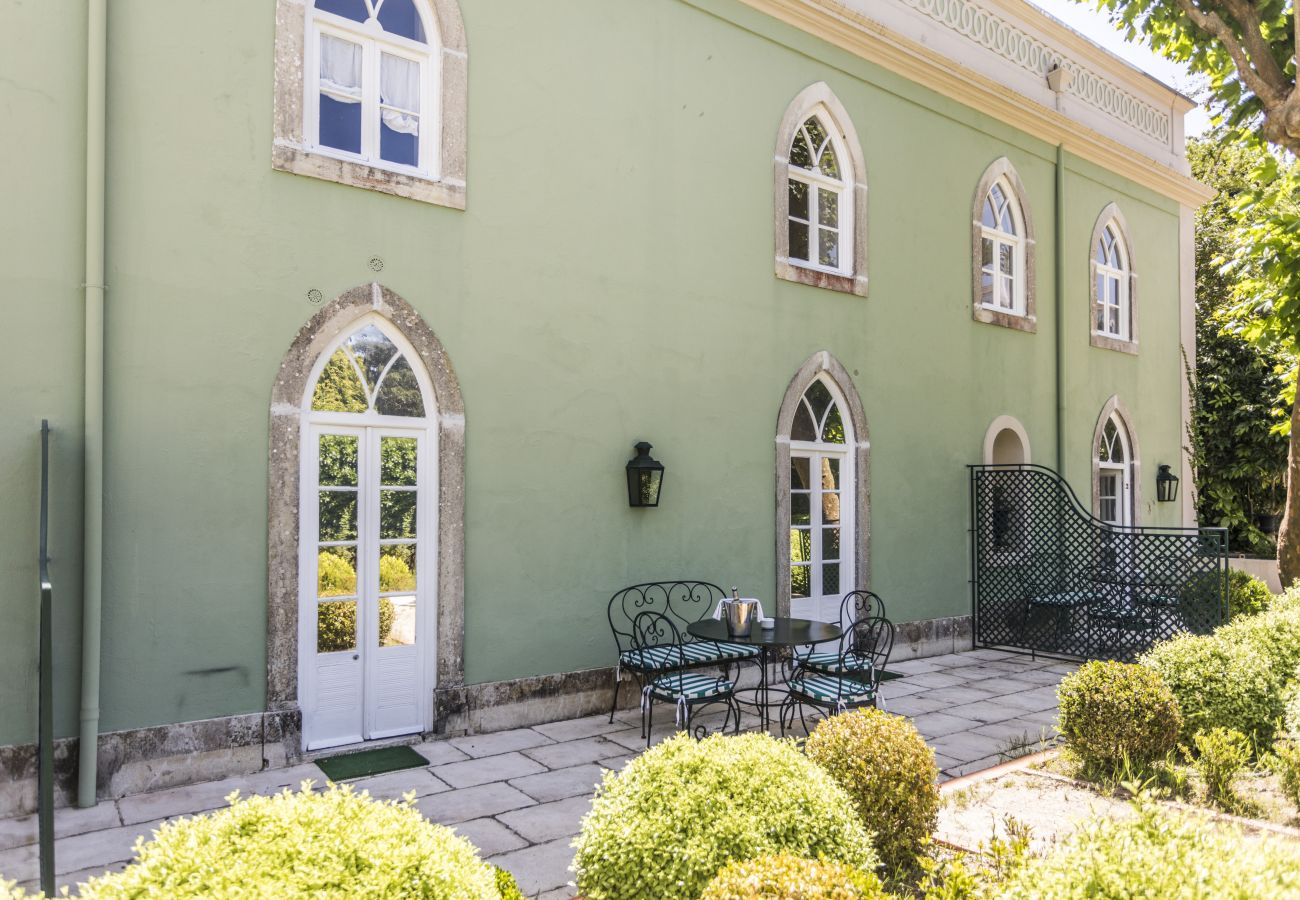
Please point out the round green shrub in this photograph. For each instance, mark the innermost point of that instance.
(1111, 712)
(1219, 684)
(1157, 855)
(332, 844)
(1247, 595)
(665, 824)
(889, 771)
(792, 878)
(507, 887)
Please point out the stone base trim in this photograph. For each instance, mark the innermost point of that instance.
(162, 756)
(933, 637)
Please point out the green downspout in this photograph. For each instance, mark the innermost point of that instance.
(93, 511)
(1060, 306)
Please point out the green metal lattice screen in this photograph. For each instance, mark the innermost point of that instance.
(1049, 577)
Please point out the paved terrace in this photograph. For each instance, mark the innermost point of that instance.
(520, 795)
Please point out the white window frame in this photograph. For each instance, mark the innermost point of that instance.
(1120, 278)
(815, 451)
(999, 239)
(1123, 472)
(369, 427)
(374, 41)
(842, 188)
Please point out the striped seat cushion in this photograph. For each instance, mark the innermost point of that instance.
(689, 686)
(829, 689)
(673, 656)
(1065, 598)
(831, 662)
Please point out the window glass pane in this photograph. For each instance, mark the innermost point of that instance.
(399, 394)
(833, 430)
(831, 508)
(829, 162)
(819, 398)
(800, 153)
(986, 253)
(1008, 222)
(397, 514)
(401, 17)
(397, 568)
(831, 474)
(372, 350)
(339, 388)
(348, 9)
(798, 240)
(798, 199)
(399, 94)
(829, 248)
(340, 68)
(800, 545)
(798, 581)
(804, 429)
(338, 460)
(336, 572)
(336, 626)
(396, 621)
(1112, 320)
(830, 543)
(1008, 297)
(397, 461)
(1006, 259)
(816, 133)
(340, 125)
(831, 578)
(338, 515)
(1100, 324)
(828, 208)
(799, 507)
(799, 473)
(989, 217)
(1100, 254)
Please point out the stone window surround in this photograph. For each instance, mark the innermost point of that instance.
(289, 151)
(999, 425)
(1115, 406)
(822, 362)
(800, 108)
(1002, 168)
(289, 404)
(1104, 341)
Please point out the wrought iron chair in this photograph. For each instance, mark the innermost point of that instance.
(856, 608)
(682, 602)
(872, 638)
(655, 635)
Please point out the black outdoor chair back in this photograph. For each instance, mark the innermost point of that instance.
(871, 640)
(858, 606)
(655, 632)
(680, 602)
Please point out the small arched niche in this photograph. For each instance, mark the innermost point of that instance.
(1006, 443)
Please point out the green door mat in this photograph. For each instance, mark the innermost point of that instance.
(370, 762)
(889, 676)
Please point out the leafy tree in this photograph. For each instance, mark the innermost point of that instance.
(1238, 453)
(1246, 50)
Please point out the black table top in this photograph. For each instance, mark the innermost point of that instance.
(787, 633)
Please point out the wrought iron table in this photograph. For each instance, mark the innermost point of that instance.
(785, 633)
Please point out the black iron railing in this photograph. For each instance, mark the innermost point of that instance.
(1049, 577)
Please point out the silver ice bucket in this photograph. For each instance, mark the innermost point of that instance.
(739, 615)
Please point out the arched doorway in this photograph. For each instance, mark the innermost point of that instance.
(365, 525)
(1006, 443)
(822, 491)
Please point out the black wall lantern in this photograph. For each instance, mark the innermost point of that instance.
(1166, 485)
(645, 475)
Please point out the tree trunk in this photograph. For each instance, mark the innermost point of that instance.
(1288, 536)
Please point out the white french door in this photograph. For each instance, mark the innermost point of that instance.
(821, 529)
(366, 580)
(1115, 495)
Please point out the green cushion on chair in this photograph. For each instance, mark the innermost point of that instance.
(832, 663)
(689, 686)
(831, 689)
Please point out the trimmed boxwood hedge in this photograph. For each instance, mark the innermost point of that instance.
(1113, 712)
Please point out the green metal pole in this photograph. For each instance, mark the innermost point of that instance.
(1060, 309)
(93, 511)
(45, 732)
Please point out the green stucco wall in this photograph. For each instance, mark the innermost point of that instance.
(611, 280)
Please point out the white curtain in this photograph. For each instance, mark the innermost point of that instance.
(399, 85)
(340, 68)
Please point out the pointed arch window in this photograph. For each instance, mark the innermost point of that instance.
(368, 374)
(1115, 469)
(821, 219)
(1002, 251)
(1002, 239)
(822, 481)
(821, 194)
(1113, 288)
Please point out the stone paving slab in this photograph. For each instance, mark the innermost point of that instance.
(520, 795)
